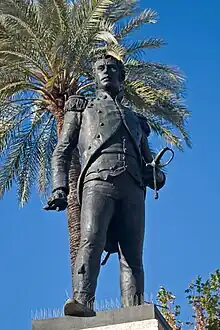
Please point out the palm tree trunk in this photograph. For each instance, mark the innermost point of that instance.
(73, 211)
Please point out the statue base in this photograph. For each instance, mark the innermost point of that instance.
(137, 317)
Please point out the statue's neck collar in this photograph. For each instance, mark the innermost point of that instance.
(102, 94)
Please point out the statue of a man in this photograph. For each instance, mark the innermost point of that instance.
(113, 146)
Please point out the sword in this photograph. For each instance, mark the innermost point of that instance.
(156, 163)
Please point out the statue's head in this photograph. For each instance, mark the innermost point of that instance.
(109, 74)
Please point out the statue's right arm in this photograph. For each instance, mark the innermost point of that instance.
(67, 143)
(61, 158)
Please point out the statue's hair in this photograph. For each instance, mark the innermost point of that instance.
(119, 64)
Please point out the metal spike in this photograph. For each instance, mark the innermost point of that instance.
(117, 303)
(53, 312)
(49, 314)
(106, 304)
(112, 304)
(57, 312)
(36, 315)
(67, 295)
(102, 305)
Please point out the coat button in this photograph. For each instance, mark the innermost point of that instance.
(102, 124)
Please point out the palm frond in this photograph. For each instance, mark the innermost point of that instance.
(121, 9)
(11, 55)
(21, 19)
(156, 75)
(13, 155)
(148, 16)
(23, 155)
(62, 10)
(9, 123)
(154, 67)
(137, 49)
(31, 158)
(87, 16)
(161, 103)
(165, 130)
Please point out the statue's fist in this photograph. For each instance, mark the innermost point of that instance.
(58, 201)
(148, 177)
(160, 178)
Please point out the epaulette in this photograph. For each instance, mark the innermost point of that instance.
(76, 103)
(144, 124)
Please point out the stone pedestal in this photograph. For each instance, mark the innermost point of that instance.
(130, 318)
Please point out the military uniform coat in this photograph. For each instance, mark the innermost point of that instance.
(88, 126)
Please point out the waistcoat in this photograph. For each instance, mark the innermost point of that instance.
(116, 156)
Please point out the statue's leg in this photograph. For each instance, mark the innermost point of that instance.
(98, 205)
(131, 245)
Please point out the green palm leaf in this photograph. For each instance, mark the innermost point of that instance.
(137, 48)
(148, 16)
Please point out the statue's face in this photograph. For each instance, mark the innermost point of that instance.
(107, 75)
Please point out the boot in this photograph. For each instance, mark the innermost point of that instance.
(74, 308)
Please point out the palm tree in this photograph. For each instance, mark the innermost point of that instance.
(46, 51)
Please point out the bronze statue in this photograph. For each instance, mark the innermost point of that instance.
(114, 151)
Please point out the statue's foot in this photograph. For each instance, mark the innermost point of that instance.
(73, 308)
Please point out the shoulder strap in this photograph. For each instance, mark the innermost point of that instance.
(76, 103)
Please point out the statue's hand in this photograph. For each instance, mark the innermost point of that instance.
(58, 201)
(149, 178)
(161, 179)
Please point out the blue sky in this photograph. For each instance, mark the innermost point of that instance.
(182, 227)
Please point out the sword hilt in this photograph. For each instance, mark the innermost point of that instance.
(156, 162)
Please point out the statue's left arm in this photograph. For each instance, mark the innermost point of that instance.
(148, 158)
